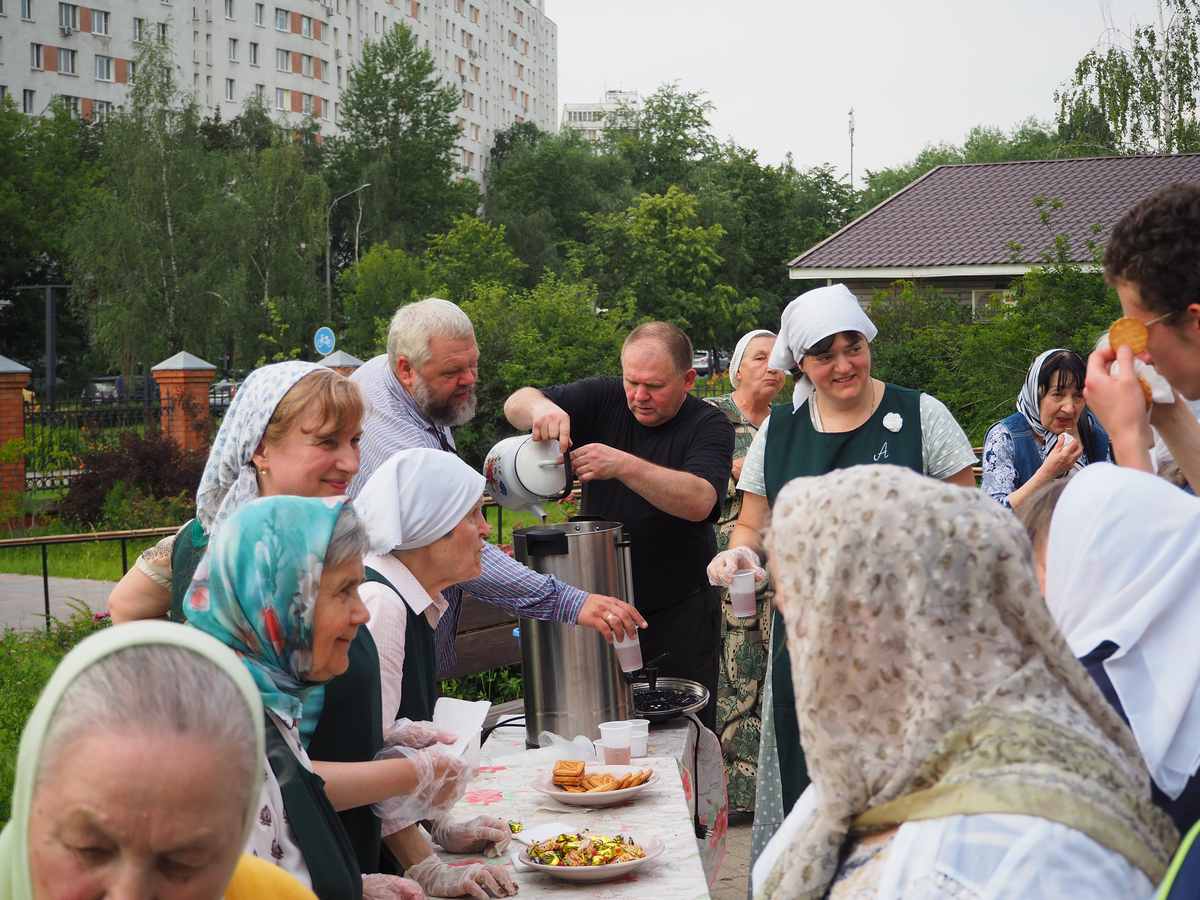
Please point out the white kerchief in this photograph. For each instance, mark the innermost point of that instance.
(416, 497)
(1029, 405)
(229, 480)
(809, 319)
(1123, 562)
(739, 351)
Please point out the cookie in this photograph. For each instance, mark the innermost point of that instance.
(1126, 332)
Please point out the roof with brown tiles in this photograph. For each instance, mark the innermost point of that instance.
(963, 215)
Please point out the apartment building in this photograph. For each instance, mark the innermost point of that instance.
(502, 55)
(589, 118)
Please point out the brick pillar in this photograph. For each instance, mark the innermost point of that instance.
(342, 363)
(183, 382)
(14, 377)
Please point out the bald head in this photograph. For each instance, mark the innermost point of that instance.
(674, 343)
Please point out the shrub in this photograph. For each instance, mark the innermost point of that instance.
(27, 659)
(152, 465)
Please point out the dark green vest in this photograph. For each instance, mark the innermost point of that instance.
(351, 730)
(322, 840)
(796, 449)
(419, 686)
(189, 547)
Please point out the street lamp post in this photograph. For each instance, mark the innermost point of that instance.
(328, 243)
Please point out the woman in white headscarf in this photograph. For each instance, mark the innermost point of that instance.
(424, 510)
(292, 428)
(839, 416)
(1122, 564)
(956, 747)
(744, 640)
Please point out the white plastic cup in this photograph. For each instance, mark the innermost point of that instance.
(741, 592)
(629, 653)
(617, 734)
(614, 754)
(639, 737)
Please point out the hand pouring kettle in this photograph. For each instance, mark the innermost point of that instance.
(522, 473)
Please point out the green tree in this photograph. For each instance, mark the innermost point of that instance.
(664, 138)
(372, 289)
(658, 258)
(1144, 86)
(471, 251)
(541, 187)
(398, 133)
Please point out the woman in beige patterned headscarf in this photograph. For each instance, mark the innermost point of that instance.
(956, 747)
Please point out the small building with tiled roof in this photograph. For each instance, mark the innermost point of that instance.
(972, 229)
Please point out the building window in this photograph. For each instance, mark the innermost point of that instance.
(162, 32)
(260, 11)
(306, 65)
(101, 110)
(280, 98)
(229, 9)
(306, 26)
(260, 91)
(68, 15)
(306, 104)
(139, 29)
(66, 61)
(233, 50)
(281, 19)
(281, 60)
(71, 104)
(253, 54)
(99, 21)
(27, 102)
(132, 69)
(104, 68)
(3, 92)
(35, 56)
(27, 13)
(230, 89)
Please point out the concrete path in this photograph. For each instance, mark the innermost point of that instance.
(734, 881)
(22, 605)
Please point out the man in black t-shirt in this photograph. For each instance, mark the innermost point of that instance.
(657, 460)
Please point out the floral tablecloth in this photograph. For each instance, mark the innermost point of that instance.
(696, 752)
(504, 787)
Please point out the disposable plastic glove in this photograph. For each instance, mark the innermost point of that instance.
(483, 834)
(729, 562)
(441, 781)
(391, 887)
(476, 880)
(418, 735)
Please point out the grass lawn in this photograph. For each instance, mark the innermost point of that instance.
(97, 559)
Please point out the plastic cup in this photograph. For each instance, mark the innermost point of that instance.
(741, 592)
(639, 737)
(614, 754)
(629, 653)
(617, 734)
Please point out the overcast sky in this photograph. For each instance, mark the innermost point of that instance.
(783, 75)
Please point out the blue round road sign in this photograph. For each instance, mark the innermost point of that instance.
(324, 340)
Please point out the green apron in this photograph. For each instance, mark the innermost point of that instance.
(322, 840)
(419, 686)
(795, 449)
(351, 730)
(186, 553)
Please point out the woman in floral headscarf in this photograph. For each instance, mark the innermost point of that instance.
(279, 586)
(956, 747)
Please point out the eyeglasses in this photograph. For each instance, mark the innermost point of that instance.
(1158, 319)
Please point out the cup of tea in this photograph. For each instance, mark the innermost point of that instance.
(618, 734)
(741, 593)
(614, 754)
(629, 653)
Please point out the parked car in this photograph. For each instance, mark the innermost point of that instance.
(702, 362)
(220, 394)
(723, 357)
(100, 390)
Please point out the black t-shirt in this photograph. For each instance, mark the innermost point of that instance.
(669, 554)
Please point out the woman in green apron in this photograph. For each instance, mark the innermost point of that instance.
(839, 416)
(279, 586)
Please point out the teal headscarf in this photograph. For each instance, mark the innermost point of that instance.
(255, 592)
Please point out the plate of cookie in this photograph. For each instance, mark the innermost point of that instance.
(577, 784)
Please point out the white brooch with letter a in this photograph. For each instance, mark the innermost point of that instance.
(893, 422)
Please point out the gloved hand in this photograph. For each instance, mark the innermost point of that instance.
(729, 562)
(477, 880)
(441, 781)
(417, 735)
(483, 834)
(391, 887)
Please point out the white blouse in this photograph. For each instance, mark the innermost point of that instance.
(272, 838)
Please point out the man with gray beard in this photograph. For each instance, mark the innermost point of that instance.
(416, 393)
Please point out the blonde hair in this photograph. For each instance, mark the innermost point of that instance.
(338, 399)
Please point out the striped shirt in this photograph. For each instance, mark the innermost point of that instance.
(395, 423)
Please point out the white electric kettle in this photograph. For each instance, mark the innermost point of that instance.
(522, 473)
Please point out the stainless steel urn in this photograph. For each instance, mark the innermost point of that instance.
(572, 679)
